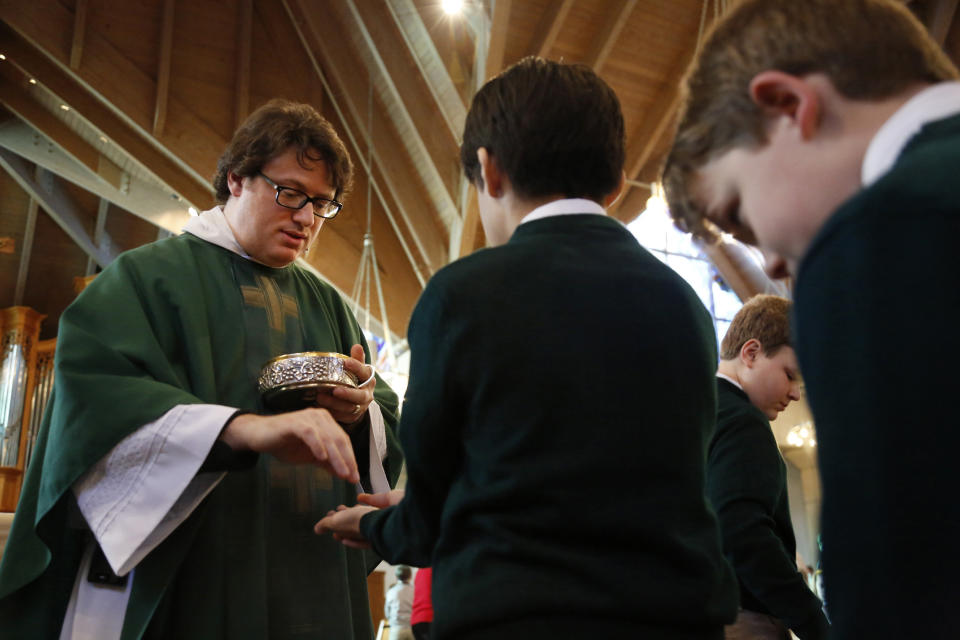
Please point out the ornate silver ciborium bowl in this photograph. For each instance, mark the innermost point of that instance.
(293, 381)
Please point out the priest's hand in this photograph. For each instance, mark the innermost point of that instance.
(344, 524)
(349, 406)
(308, 436)
(381, 500)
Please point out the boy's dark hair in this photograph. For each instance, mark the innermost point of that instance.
(403, 572)
(552, 128)
(869, 49)
(763, 318)
(272, 129)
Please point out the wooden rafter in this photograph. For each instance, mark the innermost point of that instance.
(242, 83)
(549, 28)
(138, 196)
(941, 18)
(421, 49)
(425, 248)
(492, 63)
(79, 30)
(18, 98)
(617, 15)
(647, 137)
(53, 198)
(386, 89)
(65, 86)
(26, 250)
(99, 231)
(163, 68)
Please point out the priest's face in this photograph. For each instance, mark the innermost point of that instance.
(271, 234)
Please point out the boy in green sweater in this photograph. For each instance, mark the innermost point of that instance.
(561, 398)
(828, 133)
(757, 378)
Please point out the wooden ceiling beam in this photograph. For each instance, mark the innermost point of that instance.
(490, 48)
(67, 88)
(117, 83)
(645, 140)
(425, 165)
(402, 228)
(940, 19)
(617, 15)
(421, 48)
(99, 232)
(79, 31)
(244, 47)
(17, 98)
(549, 29)
(54, 199)
(348, 94)
(163, 68)
(142, 198)
(26, 249)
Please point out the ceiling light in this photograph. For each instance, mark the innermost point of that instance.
(2, 57)
(32, 81)
(656, 202)
(103, 138)
(65, 107)
(802, 435)
(452, 7)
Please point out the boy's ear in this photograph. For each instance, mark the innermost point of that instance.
(783, 94)
(750, 351)
(490, 173)
(613, 195)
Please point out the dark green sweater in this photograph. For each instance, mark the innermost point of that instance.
(877, 302)
(555, 428)
(747, 485)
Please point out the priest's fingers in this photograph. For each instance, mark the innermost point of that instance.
(330, 445)
(381, 500)
(355, 365)
(347, 406)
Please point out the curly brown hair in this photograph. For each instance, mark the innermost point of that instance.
(272, 129)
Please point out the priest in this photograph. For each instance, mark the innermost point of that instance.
(164, 500)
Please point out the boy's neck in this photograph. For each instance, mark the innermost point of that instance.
(853, 124)
(729, 369)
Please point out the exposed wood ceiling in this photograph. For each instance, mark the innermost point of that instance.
(113, 114)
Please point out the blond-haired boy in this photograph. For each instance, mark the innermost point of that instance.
(757, 378)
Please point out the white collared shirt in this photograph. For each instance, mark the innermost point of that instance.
(730, 380)
(564, 207)
(937, 102)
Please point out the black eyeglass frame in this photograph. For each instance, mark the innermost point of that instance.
(306, 199)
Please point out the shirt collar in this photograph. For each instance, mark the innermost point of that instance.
(564, 207)
(730, 380)
(933, 103)
(211, 225)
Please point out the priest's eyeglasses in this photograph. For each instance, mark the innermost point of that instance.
(295, 199)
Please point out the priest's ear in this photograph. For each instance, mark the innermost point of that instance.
(234, 184)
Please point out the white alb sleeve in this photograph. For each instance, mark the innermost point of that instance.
(148, 484)
(378, 450)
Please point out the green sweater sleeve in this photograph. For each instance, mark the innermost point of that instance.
(407, 533)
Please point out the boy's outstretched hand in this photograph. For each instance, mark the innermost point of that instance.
(344, 524)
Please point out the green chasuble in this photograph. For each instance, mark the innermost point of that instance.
(182, 321)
